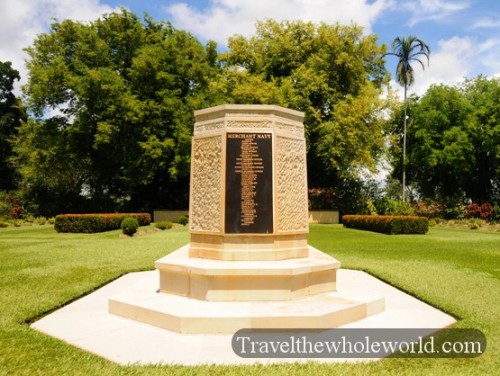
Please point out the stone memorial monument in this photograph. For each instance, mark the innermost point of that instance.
(248, 264)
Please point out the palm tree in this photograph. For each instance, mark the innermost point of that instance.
(407, 50)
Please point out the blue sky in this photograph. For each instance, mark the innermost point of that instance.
(463, 35)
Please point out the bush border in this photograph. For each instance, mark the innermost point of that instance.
(387, 224)
(99, 222)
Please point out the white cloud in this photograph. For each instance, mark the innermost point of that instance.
(486, 22)
(425, 10)
(489, 56)
(224, 18)
(22, 20)
(458, 58)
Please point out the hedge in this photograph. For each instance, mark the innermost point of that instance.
(387, 224)
(90, 223)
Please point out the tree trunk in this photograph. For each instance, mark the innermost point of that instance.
(404, 143)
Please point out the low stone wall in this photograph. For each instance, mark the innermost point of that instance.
(323, 216)
(168, 215)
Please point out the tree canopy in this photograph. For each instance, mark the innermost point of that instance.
(11, 115)
(333, 73)
(408, 50)
(114, 103)
(454, 138)
(111, 105)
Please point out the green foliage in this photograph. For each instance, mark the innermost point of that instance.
(387, 224)
(454, 139)
(385, 205)
(403, 208)
(348, 196)
(475, 224)
(129, 226)
(124, 92)
(495, 216)
(12, 113)
(12, 205)
(163, 225)
(331, 72)
(92, 223)
(40, 220)
(408, 50)
(183, 220)
(321, 199)
(371, 209)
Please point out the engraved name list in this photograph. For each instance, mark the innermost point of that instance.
(249, 199)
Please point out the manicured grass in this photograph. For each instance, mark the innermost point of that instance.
(40, 270)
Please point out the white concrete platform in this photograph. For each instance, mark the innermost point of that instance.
(87, 324)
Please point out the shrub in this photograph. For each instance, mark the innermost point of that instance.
(41, 220)
(163, 225)
(454, 212)
(183, 220)
(11, 205)
(29, 219)
(403, 208)
(129, 226)
(472, 211)
(495, 215)
(370, 207)
(475, 224)
(3, 224)
(387, 224)
(321, 198)
(483, 211)
(429, 209)
(385, 205)
(90, 223)
(486, 211)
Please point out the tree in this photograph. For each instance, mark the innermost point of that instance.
(454, 133)
(407, 50)
(483, 128)
(113, 102)
(333, 73)
(439, 144)
(11, 115)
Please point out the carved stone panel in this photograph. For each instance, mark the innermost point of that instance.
(206, 184)
(291, 182)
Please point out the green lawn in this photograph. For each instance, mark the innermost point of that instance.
(40, 270)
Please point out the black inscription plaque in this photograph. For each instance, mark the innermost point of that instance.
(249, 186)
